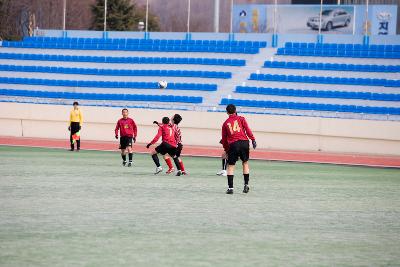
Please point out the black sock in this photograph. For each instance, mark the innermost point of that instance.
(230, 181)
(224, 164)
(123, 157)
(156, 160)
(78, 144)
(246, 178)
(177, 163)
(130, 157)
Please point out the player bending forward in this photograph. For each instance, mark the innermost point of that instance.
(235, 139)
(167, 146)
(128, 130)
(175, 120)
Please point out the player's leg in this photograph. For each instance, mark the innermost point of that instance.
(122, 146)
(246, 176)
(230, 174)
(123, 156)
(71, 141)
(178, 156)
(244, 157)
(154, 155)
(224, 160)
(169, 163)
(232, 158)
(182, 166)
(129, 151)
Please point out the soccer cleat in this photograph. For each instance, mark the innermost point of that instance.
(184, 173)
(246, 189)
(171, 170)
(71, 149)
(179, 173)
(222, 173)
(129, 164)
(229, 191)
(158, 170)
(124, 163)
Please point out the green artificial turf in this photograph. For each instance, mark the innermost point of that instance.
(61, 208)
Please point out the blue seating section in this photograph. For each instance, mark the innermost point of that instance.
(128, 60)
(163, 42)
(325, 80)
(317, 93)
(205, 46)
(331, 66)
(111, 97)
(346, 47)
(337, 53)
(107, 84)
(118, 72)
(312, 106)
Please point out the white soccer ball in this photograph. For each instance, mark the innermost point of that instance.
(162, 84)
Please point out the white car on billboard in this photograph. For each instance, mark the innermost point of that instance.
(331, 18)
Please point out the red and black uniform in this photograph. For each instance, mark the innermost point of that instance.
(128, 130)
(169, 141)
(235, 138)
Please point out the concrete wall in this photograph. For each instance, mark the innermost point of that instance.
(202, 128)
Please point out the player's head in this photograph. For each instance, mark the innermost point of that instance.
(165, 120)
(177, 118)
(125, 113)
(231, 109)
(75, 104)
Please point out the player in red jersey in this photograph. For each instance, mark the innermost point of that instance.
(235, 139)
(176, 119)
(128, 130)
(167, 146)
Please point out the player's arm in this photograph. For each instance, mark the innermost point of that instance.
(70, 121)
(134, 127)
(116, 130)
(249, 133)
(80, 119)
(155, 139)
(224, 140)
(157, 123)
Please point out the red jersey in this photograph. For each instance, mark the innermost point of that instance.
(168, 134)
(126, 127)
(178, 134)
(235, 128)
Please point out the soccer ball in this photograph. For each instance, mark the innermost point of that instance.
(162, 84)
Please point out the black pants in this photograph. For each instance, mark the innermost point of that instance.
(74, 130)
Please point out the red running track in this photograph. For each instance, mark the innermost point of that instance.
(261, 154)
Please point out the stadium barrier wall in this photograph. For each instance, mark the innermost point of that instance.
(203, 128)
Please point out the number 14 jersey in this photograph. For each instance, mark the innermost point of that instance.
(235, 128)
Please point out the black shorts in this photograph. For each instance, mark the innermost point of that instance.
(74, 127)
(239, 149)
(125, 141)
(179, 150)
(165, 148)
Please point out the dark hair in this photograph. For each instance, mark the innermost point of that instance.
(231, 109)
(75, 103)
(177, 118)
(165, 120)
(124, 109)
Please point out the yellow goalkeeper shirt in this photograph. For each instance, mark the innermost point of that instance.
(76, 116)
